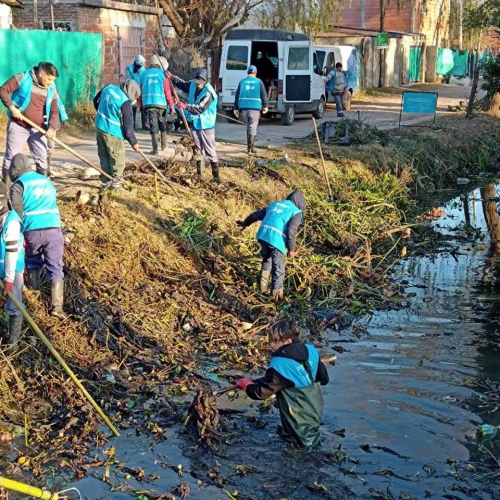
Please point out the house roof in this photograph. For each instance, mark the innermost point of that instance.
(13, 3)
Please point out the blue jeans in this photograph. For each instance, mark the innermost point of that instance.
(273, 260)
(17, 291)
(338, 103)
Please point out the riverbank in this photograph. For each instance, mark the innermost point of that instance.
(162, 290)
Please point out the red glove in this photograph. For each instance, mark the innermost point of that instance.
(181, 105)
(243, 383)
(7, 288)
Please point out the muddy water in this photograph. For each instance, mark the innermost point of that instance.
(406, 392)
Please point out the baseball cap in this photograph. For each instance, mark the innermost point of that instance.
(252, 69)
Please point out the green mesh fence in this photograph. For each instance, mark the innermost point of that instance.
(77, 56)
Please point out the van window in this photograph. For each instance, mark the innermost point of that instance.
(316, 66)
(330, 60)
(237, 57)
(321, 57)
(298, 58)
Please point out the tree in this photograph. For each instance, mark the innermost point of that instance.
(202, 23)
(308, 16)
(491, 78)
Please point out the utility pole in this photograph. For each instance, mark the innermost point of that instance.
(382, 52)
(35, 14)
(460, 24)
(51, 2)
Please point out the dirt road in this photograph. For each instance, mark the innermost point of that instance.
(381, 110)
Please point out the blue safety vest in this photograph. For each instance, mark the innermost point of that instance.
(273, 227)
(296, 372)
(109, 113)
(249, 97)
(152, 91)
(3, 250)
(207, 119)
(134, 76)
(39, 202)
(22, 96)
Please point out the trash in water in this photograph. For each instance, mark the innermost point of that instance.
(485, 431)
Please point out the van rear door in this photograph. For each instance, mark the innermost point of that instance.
(234, 65)
(298, 72)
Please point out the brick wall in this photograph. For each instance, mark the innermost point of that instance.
(97, 20)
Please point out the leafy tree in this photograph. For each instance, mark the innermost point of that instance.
(491, 83)
(482, 15)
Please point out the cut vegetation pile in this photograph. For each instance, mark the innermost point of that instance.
(155, 294)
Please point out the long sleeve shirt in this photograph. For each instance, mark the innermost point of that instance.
(127, 119)
(35, 110)
(291, 229)
(168, 93)
(12, 234)
(195, 109)
(263, 96)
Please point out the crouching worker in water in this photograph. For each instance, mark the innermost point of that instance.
(294, 375)
(11, 262)
(277, 233)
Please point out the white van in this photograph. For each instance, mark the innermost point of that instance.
(287, 64)
(328, 56)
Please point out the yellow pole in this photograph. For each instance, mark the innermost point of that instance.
(26, 489)
(58, 357)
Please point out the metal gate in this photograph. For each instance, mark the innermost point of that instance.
(131, 41)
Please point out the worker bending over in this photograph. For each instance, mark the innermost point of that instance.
(294, 375)
(34, 198)
(157, 100)
(34, 94)
(11, 262)
(134, 72)
(277, 233)
(201, 113)
(250, 100)
(114, 124)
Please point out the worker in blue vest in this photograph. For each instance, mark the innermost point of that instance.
(134, 72)
(11, 262)
(155, 101)
(294, 376)
(31, 94)
(114, 124)
(201, 113)
(34, 198)
(249, 101)
(276, 235)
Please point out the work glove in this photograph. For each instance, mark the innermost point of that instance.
(7, 287)
(169, 75)
(243, 383)
(181, 105)
(240, 224)
(264, 111)
(292, 254)
(236, 113)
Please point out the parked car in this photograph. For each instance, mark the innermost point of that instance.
(287, 64)
(328, 56)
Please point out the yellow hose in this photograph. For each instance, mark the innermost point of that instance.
(26, 489)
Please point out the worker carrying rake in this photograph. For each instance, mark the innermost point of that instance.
(277, 233)
(11, 262)
(34, 199)
(294, 375)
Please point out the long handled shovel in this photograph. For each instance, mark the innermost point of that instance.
(183, 116)
(58, 357)
(67, 148)
(322, 160)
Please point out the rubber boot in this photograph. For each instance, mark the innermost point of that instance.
(163, 141)
(278, 294)
(15, 327)
(200, 164)
(154, 140)
(35, 279)
(215, 173)
(41, 171)
(265, 277)
(6, 178)
(251, 144)
(57, 296)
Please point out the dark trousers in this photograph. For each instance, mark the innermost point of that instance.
(144, 116)
(273, 260)
(156, 120)
(45, 247)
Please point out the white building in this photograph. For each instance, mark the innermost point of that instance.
(6, 12)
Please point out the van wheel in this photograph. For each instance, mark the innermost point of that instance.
(346, 103)
(288, 117)
(318, 113)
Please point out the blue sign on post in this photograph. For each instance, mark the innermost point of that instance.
(419, 103)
